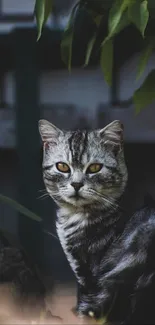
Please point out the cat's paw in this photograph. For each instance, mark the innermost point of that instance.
(91, 311)
(77, 312)
(94, 306)
(89, 314)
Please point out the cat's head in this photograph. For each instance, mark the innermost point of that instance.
(83, 168)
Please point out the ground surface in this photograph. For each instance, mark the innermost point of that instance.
(60, 303)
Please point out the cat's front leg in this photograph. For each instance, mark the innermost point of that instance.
(93, 304)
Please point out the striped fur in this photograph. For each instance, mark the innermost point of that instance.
(104, 250)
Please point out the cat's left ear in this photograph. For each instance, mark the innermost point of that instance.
(112, 135)
(48, 131)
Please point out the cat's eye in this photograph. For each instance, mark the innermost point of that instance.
(94, 168)
(62, 167)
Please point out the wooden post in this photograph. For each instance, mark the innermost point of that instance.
(28, 139)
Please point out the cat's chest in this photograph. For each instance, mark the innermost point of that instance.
(83, 241)
(72, 234)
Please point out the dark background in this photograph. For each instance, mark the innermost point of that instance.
(20, 163)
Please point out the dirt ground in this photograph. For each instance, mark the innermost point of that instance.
(60, 303)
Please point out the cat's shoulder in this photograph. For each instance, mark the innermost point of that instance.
(144, 214)
(142, 221)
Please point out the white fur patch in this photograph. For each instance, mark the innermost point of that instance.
(65, 229)
(73, 263)
(130, 238)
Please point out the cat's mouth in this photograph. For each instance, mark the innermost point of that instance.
(76, 196)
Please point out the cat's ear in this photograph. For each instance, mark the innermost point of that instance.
(48, 131)
(112, 135)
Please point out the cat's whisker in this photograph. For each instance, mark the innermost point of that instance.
(104, 198)
(43, 196)
(114, 204)
(50, 233)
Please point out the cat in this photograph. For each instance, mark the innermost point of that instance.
(111, 255)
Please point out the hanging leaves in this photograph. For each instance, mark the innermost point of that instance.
(42, 10)
(115, 15)
(97, 20)
(124, 22)
(144, 58)
(67, 40)
(89, 49)
(120, 14)
(118, 20)
(145, 94)
(106, 60)
(139, 15)
(20, 208)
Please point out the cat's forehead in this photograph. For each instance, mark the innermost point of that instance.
(79, 147)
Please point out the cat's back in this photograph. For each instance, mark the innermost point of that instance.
(138, 237)
(134, 248)
(143, 218)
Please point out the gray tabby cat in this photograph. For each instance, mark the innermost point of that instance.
(85, 173)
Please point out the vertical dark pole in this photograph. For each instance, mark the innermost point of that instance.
(28, 140)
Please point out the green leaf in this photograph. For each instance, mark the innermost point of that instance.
(144, 58)
(139, 15)
(89, 49)
(42, 11)
(124, 22)
(39, 14)
(48, 9)
(145, 94)
(66, 43)
(115, 15)
(20, 208)
(106, 60)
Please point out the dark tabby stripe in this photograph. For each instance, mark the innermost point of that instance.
(85, 143)
(47, 167)
(77, 141)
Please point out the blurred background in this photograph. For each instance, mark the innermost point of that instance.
(34, 84)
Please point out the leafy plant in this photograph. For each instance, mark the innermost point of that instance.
(117, 14)
(20, 208)
(24, 211)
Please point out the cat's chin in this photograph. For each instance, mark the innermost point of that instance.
(76, 201)
(70, 201)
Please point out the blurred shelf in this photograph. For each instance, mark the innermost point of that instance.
(137, 129)
(63, 116)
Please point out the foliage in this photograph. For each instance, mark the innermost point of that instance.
(24, 211)
(20, 208)
(42, 11)
(141, 98)
(118, 14)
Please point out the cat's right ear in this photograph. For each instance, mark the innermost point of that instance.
(48, 131)
(112, 135)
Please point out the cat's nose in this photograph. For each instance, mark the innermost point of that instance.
(77, 185)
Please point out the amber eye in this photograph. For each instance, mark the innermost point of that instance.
(62, 167)
(94, 168)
